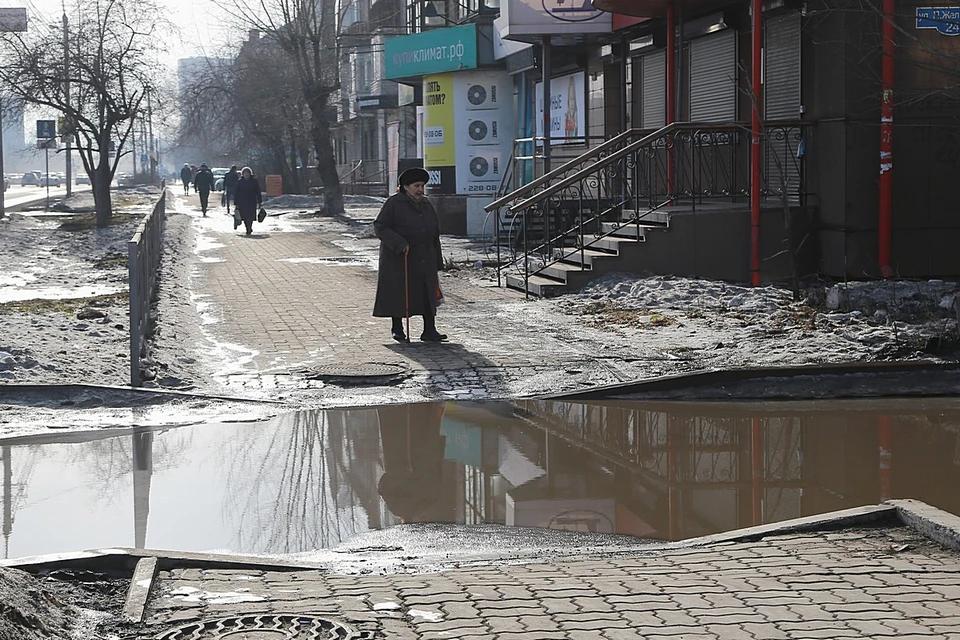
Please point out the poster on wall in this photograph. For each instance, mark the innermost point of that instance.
(467, 130)
(567, 109)
(393, 153)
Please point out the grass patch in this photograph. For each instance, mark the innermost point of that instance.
(86, 221)
(68, 305)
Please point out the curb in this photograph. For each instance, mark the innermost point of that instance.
(727, 376)
(47, 388)
(938, 525)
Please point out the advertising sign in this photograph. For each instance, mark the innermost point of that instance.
(46, 129)
(524, 19)
(946, 20)
(435, 51)
(567, 111)
(467, 130)
(274, 185)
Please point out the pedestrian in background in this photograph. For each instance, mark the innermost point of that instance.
(186, 175)
(410, 258)
(247, 199)
(203, 183)
(229, 186)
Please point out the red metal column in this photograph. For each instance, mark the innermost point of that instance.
(755, 138)
(673, 479)
(886, 141)
(885, 472)
(756, 468)
(671, 56)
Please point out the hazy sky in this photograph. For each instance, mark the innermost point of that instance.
(202, 24)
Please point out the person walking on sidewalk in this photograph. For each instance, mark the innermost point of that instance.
(186, 175)
(229, 186)
(410, 258)
(247, 199)
(203, 183)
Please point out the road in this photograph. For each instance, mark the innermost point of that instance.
(16, 197)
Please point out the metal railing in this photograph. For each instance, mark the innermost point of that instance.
(143, 263)
(628, 179)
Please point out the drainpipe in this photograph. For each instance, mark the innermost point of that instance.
(671, 86)
(755, 138)
(886, 141)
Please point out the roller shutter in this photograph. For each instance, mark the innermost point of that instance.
(654, 92)
(781, 101)
(781, 67)
(713, 78)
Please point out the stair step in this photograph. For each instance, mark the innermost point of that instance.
(559, 270)
(537, 285)
(573, 256)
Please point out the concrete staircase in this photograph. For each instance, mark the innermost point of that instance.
(571, 267)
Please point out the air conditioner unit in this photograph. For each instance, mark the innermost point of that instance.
(484, 166)
(482, 130)
(482, 95)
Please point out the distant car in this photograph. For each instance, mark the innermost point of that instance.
(49, 180)
(83, 179)
(218, 174)
(124, 179)
(31, 179)
(6, 182)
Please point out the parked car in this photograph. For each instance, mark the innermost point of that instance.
(31, 179)
(218, 173)
(49, 180)
(124, 179)
(82, 178)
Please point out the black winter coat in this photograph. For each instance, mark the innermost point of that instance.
(230, 180)
(405, 222)
(203, 181)
(186, 175)
(247, 198)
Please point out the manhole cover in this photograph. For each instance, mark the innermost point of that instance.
(361, 373)
(265, 627)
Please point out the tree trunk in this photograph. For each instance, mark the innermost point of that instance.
(326, 164)
(101, 184)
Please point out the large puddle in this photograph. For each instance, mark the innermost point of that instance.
(316, 478)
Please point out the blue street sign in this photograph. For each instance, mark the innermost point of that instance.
(46, 129)
(946, 20)
(143, 158)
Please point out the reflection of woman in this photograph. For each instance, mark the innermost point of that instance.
(570, 121)
(412, 459)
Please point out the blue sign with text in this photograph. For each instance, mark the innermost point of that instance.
(946, 20)
(435, 51)
(46, 129)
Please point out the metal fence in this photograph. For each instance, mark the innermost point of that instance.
(143, 263)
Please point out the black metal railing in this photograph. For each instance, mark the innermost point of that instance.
(633, 178)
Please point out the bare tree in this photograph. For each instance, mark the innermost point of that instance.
(306, 31)
(111, 71)
(252, 108)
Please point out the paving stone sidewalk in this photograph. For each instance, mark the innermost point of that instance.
(291, 302)
(852, 583)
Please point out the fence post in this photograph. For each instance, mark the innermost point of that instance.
(133, 268)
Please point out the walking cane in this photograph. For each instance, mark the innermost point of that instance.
(406, 288)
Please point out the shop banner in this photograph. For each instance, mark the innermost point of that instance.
(434, 51)
(467, 130)
(567, 111)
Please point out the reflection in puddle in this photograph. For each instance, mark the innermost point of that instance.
(313, 479)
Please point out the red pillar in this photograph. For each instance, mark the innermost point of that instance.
(755, 139)
(756, 468)
(885, 472)
(886, 142)
(671, 85)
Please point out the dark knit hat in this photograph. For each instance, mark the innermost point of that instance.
(414, 174)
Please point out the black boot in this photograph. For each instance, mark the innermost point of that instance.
(397, 330)
(430, 333)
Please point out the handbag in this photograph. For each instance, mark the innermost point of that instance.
(261, 215)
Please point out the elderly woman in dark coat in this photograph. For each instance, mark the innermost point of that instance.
(246, 199)
(409, 231)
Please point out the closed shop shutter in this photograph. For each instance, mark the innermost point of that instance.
(653, 113)
(781, 67)
(781, 101)
(713, 78)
